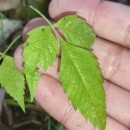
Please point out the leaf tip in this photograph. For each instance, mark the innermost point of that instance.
(23, 108)
(31, 97)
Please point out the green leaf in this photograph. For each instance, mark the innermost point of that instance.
(76, 31)
(40, 50)
(79, 72)
(82, 81)
(12, 80)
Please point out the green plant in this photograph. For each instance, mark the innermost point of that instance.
(79, 73)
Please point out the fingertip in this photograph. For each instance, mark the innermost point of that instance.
(84, 8)
(36, 22)
(52, 9)
(52, 70)
(18, 57)
(59, 8)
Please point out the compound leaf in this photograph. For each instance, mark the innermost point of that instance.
(12, 80)
(82, 81)
(76, 31)
(40, 50)
(79, 73)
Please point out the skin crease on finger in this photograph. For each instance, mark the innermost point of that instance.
(106, 18)
(114, 62)
(32, 24)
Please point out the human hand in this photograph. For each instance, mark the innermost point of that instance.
(111, 23)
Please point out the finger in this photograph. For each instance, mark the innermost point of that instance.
(52, 70)
(118, 103)
(36, 22)
(52, 98)
(108, 19)
(18, 57)
(114, 62)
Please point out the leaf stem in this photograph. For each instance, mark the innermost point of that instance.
(12, 43)
(51, 25)
(49, 122)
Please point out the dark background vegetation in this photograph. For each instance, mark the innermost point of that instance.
(11, 116)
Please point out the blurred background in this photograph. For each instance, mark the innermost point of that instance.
(13, 16)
